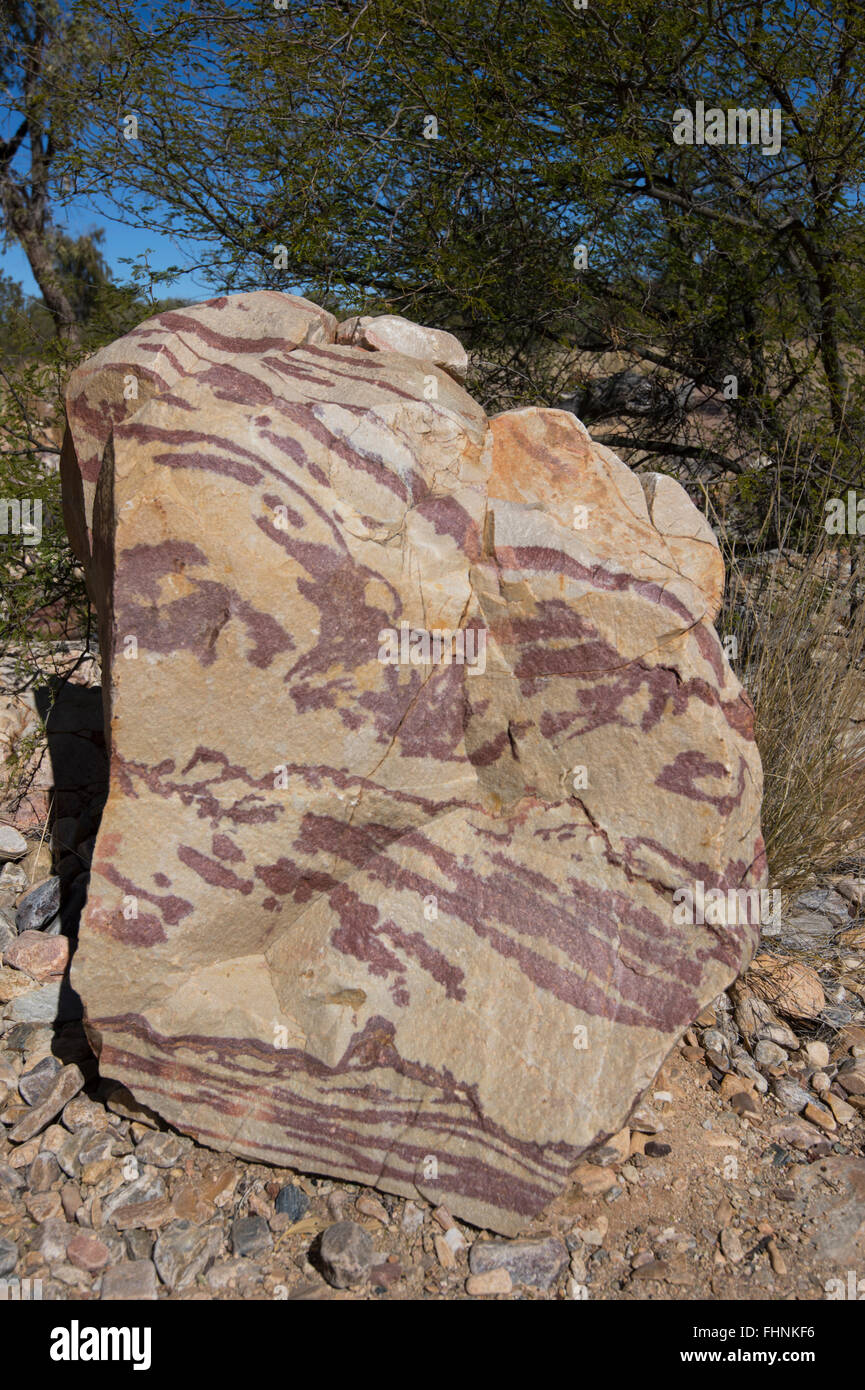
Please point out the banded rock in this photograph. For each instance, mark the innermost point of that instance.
(367, 917)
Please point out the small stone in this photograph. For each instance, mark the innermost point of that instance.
(52, 1239)
(819, 1116)
(840, 1109)
(250, 1235)
(53, 1002)
(537, 1263)
(731, 1245)
(719, 1060)
(34, 1085)
(384, 1276)
(36, 908)
(370, 1206)
(184, 1251)
(150, 1215)
(446, 1257)
(655, 1149)
(43, 1172)
(769, 1054)
(595, 1235)
(8, 1255)
(817, 1053)
(776, 1259)
(132, 1280)
(12, 843)
(792, 1096)
(851, 1077)
(820, 1083)
(412, 1219)
(715, 1041)
(645, 1120)
(593, 1181)
(162, 1149)
(63, 1088)
(345, 1252)
(86, 1252)
(38, 955)
(42, 1206)
(746, 1105)
(292, 1201)
(492, 1282)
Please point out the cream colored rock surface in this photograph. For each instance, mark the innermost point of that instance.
(390, 333)
(353, 908)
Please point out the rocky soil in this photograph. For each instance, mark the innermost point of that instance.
(741, 1174)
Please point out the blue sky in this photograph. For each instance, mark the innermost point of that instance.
(120, 241)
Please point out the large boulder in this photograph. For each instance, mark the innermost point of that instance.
(369, 900)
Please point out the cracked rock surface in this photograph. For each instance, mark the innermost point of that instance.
(404, 922)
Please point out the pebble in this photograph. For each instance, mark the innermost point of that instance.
(37, 955)
(370, 1206)
(715, 1041)
(840, 1109)
(492, 1282)
(446, 1256)
(819, 1116)
(412, 1219)
(817, 1054)
(593, 1181)
(792, 1096)
(162, 1149)
(645, 1120)
(345, 1252)
(67, 1084)
(537, 1263)
(86, 1252)
(8, 1255)
(52, 1239)
(655, 1149)
(12, 843)
(184, 1251)
(129, 1280)
(851, 1077)
(731, 1245)
(745, 1105)
(36, 908)
(292, 1201)
(34, 1085)
(250, 1235)
(43, 1172)
(53, 1002)
(769, 1054)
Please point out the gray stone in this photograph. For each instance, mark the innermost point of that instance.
(53, 1237)
(43, 1172)
(35, 1084)
(250, 1235)
(792, 1096)
(292, 1201)
(143, 1189)
(537, 1263)
(345, 1252)
(162, 1149)
(63, 1088)
(129, 1280)
(38, 906)
(12, 843)
(8, 1255)
(769, 1054)
(139, 1244)
(55, 1002)
(8, 934)
(183, 1251)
